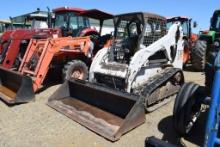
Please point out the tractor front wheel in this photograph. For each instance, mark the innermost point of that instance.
(186, 108)
(75, 69)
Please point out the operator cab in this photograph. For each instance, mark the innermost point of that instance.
(128, 30)
(134, 31)
(69, 21)
(215, 21)
(185, 24)
(75, 22)
(38, 21)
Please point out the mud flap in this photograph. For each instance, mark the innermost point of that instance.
(15, 88)
(108, 112)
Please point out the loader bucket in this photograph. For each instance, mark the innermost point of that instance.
(107, 112)
(15, 88)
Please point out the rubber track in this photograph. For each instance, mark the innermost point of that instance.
(156, 82)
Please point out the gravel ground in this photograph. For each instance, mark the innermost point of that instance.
(36, 124)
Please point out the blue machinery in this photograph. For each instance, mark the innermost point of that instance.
(212, 135)
(212, 127)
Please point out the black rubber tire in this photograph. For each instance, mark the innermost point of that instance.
(198, 55)
(75, 64)
(184, 102)
(186, 49)
(210, 70)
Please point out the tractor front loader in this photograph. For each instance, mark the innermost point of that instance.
(140, 71)
(58, 57)
(41, 55)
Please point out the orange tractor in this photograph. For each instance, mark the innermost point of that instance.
(60, 58)
(189, 37)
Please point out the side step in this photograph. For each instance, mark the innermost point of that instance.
(15, 88)
(107, 112)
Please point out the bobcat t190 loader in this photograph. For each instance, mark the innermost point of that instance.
(140, 71)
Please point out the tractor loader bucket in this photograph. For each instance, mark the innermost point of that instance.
(15, 88)
(107, 112)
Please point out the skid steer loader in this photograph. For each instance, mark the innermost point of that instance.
(140, 71)
(59, 58)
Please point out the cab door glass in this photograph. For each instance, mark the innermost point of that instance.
(60, 21)
(73, 22)
(217, 26)
(133, 29)
(81, 22)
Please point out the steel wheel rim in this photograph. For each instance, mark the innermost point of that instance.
(77, 74)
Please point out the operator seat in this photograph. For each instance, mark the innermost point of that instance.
(130, 45)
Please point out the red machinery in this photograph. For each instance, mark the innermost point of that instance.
(15, 42)
(67, 22)
(66, 57)
(189, 37)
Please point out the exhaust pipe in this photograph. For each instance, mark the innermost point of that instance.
(15, 88)
(105, 111)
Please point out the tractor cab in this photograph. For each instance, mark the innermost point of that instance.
(70, 22)
(37, 20)
(185, 23)
(95, 36)
(133, 30)
(215, 21)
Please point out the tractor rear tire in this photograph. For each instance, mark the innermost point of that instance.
(185, 107)
(210, 70)
(186, 53)
(198, 55)
(75, 69)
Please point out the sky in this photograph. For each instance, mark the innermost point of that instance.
(199, 10)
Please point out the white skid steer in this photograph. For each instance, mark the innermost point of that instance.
(139, 72)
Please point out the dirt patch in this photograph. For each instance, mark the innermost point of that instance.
(36, 124)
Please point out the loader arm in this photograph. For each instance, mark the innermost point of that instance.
(93, 103)
(40, 53)
(4, 38)
(165, 43)
(17, 37)
(9, 54)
